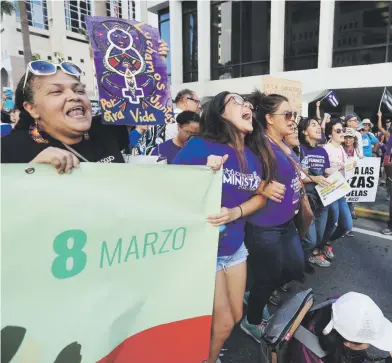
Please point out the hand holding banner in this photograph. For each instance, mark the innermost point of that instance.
(337, 189)
(94, 261)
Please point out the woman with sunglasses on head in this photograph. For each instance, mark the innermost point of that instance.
(315, 160)
(339, 215)
(275, 251)
(229, 136)
(56, 124)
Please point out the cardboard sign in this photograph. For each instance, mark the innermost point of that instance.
(131, 75)
(95, 276)
(291, 89)
(364, 182)
(337, 189)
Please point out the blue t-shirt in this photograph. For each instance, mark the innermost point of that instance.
(275, 214)
(368, 140)
(237, 186)
(315, 160)
(167, 150)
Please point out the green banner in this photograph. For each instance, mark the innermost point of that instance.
(112, 263)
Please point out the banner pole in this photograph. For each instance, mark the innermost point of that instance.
(379, 107)
(325, 96)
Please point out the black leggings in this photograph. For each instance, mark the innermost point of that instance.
(275, 258)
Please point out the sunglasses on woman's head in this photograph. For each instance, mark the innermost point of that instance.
(288, 116)
(238, 100)
(46, 68)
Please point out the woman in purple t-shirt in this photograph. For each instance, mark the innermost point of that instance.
(230, 137)
(275, 251)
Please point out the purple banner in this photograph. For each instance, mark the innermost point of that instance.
(132, 77)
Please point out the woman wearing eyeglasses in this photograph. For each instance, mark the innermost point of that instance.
(339, 215)
(275, 251)
(229, 136)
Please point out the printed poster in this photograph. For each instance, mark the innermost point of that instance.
(131, 76)
(337, 189)
(95, 276)
(291, 89)
(364, 181)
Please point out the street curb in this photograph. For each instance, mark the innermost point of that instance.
(372, 214)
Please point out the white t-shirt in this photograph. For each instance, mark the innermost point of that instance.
(171, 130)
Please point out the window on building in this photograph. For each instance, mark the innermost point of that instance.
(189, 41)
(240, 38)
(37, 13)
(368, 36)
(75, 14)
(114, 8)
(20, 52)
(132, 10)
(82, 60)
(164, 30)
(302, 17)
(49, 57)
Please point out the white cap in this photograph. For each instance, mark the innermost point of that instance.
(357, 318)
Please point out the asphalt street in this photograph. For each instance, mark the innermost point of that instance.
(363, 263)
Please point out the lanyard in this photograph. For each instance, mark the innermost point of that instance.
(75, 153)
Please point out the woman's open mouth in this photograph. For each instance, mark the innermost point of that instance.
(247, 116)
(76, 112)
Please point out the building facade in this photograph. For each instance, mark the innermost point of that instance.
(228, 45)
(55, 33)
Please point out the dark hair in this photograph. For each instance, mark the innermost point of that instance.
(215, 127)
(22, 96)
(182, 94)
(333, 343)
(329, 127)
(186, 117)
(303, 125)
(265, 104)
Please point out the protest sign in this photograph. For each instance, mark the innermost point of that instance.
(90, 274)
(337, 189)
(364, 182)
(131, 76)
(291, 89)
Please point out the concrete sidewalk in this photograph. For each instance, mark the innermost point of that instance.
(379, 210)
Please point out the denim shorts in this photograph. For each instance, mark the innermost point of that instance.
(225, 262)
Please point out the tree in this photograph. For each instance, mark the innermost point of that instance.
(24, 24)
(7, 7)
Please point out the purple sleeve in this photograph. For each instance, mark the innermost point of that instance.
(194, 152)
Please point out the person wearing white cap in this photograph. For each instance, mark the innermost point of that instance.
(357, 322)
(369, 141)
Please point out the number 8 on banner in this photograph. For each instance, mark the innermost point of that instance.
(76, 253)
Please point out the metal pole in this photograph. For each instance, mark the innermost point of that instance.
(388, 30)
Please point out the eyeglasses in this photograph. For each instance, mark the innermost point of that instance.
(287, 115)
(339, 131)
(238, 100)
(45, 68)
(192, 99)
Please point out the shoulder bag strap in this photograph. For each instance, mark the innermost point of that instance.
(75, 152)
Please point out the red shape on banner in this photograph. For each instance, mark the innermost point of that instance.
(185, 341)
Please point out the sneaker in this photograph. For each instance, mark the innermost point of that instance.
(328, 251)
(285, 288)
(266, 314)
(319, 260)
(218, 361)
(387, 231)
(255, 331)
(275, 299)
(349, 234)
